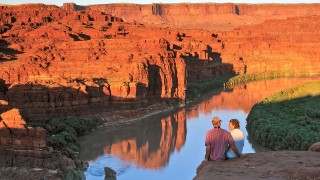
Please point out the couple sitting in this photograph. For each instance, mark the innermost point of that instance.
(220, 144)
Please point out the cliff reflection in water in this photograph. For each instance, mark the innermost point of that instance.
(147, 144)
(243, 97)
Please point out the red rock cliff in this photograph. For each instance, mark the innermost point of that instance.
(60, 59)
(206, 15)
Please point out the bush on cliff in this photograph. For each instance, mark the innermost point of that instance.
(195, 89)
(289, 119)
(63, 132)
(245, 78)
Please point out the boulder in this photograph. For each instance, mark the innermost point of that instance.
(315, 147)
(110, 172)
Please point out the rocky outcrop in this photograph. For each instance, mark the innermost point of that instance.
(15, 135)
(72, 7)
(315, 147)
(26, 148)
(110, 172)
(270, 165)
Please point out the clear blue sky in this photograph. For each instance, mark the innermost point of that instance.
(86, 2)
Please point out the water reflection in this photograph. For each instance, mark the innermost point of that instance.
(160, 148)
(153, 144)
(243, 97)
(147, 144)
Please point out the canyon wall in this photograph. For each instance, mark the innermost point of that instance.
(67, 62)
(64, 61)
(57, 60)
(22, 146)
(211, 16)
(275, 45)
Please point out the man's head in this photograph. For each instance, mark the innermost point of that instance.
(234, 124)
(216, 122)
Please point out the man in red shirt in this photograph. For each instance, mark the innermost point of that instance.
(218, 141)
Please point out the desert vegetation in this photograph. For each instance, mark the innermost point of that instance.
(289, 119)
(63, 132)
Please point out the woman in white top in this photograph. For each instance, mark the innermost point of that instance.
(237, 136)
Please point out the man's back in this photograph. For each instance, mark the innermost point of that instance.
(219, 140)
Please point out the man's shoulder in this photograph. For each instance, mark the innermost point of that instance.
(218, 130)
(224, 131)
(211, 130)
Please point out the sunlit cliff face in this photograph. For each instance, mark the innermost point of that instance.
(14, 134)
(97, 57)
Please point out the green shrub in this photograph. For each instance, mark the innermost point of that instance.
(57, 141)
(288, 119)
(245, 78)
(63, 132)
(70, 174)
(197, 88)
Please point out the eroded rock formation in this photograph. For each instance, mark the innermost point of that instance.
(26, 147)
(111, 61)
(67, 61)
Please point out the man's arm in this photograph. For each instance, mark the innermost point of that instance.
(235, 150)
(208, 147)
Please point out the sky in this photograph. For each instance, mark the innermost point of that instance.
(87, 2)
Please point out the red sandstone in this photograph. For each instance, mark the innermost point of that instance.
(70, 59)
(82, 61)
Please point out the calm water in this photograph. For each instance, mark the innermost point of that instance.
(172, 146)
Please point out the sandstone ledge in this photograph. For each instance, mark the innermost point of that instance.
(12, 173)
(264, 165)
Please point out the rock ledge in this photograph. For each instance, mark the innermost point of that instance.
(264, 165)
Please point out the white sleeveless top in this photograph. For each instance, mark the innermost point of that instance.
(238, 138)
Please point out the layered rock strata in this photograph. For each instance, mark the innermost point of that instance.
(211, 16)
(58, 59)
(26, 147)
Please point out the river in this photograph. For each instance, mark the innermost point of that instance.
(172, 146)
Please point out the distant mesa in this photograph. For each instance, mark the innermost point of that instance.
(72, 7)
